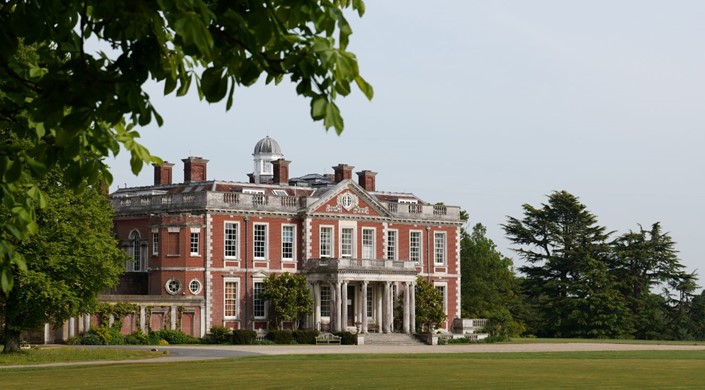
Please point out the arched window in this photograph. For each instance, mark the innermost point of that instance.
(134, 250)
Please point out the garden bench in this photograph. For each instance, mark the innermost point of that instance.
(327, 338)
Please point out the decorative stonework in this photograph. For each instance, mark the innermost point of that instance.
(348, 202)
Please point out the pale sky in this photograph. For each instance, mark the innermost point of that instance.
(488, 105)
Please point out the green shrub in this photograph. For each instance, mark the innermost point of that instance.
(73, 340)
(244, 336)
(219, 335)
(91, 338)
(305, 336)
(280, 336)
(496, 339)
(263, 342)
(174, 337)
(136, 338)
(462, 340)
(347, 338)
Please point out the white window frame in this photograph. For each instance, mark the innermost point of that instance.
(136, 252)
(155, 242)
(395, 245)
(263, 302)
(351, 242)
(419, 247)
(173, 286)
(330, 243)
(197, 283)
(373, 248)
(293, 242)
(439, 253)
(280, 193)
(195, 242)
(265, 241)
(235, 241)
(444, 287)
(235, 301)
(325, 303)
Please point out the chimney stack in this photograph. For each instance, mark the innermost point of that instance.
(195, 169)
(342, 172)
(281, 171)
(162, 173)
(366, 180)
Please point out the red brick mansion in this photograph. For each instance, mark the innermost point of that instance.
(201, 248)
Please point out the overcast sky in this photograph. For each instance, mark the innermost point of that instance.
(488, 105)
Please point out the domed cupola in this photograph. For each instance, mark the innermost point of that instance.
(266, 150)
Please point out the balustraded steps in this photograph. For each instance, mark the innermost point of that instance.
(391, 339)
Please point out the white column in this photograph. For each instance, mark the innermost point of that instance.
(405, 315)
(344, 306)
(338, 301)
(379, 304)
(173, 318)
(86, 322)
(317, 306)
(412, 302)
(47, 329)
(72, 327)
(385, 303)
(363, 307)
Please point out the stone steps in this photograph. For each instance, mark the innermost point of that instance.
(400, 339)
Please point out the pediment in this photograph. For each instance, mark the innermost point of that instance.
(348, 199)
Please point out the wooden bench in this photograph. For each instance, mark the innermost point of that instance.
(327, 338)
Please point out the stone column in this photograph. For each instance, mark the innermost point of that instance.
(173, 317)
(412, 303)
(386, 304)
(72, 327)
(405, 315)
(86, 322)
(47, 330)
(317, 306)
(344, 305)
(333, 309)
(143, 319)
(379, 304)
(363, 307)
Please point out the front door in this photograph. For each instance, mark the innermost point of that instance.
(351, 306)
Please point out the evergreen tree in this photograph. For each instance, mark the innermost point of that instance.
(429, 305)
(567, 280)
(288, 296)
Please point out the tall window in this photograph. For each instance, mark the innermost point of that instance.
(288, 242)
(370, 301)
(346, 242)
(155, 243)
(415, 246)
(195, 243)
(391, 244)
(258, 301)
(260, 246)
(368, 243)
(230, 239)
(442, 290)
(325, 301)
(173, 247)
(439, 248)
(134, 250)
(230, 299)
(326, 241)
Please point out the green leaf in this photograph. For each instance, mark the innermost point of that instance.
(319, 106)
(333, 118)
(213, 85)
(365, 87)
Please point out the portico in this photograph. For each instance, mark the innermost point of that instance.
(351, 294)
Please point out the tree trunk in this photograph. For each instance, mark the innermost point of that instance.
(12, 340)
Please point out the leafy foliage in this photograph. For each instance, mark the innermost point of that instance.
(70, 260)
(288, 296)
(244, 336)
(72, 76)
(429, 305)
(305, 336)
(280, 336)
(219, 335)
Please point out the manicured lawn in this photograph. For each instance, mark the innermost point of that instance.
(69, 354)
(567, 370)
(598, 341)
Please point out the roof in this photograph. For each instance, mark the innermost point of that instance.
(267, 145)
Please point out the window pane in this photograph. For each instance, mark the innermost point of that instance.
(325, 301)
(368, 243)
(391, 245)
(260, 247)
(439, 248)
(155, 243)
(346, 242)
(287, 242)
(258, 303)
(195, 240)
(326, 241)
(415, 247)
(230, 299)
(231, 240)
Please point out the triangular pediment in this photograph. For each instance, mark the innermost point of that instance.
(347, 198)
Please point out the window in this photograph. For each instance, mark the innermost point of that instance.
(280, 192)
(391, 244)
(439, 248)
(288, 242)
(326, 241)
(194, 286)
(195, 242)
(266, 166)
(442, 290)
(173, 243)
(134, 250)
(368, 243)
(346, 242)
(370, 301)
(260, 241)
(230, 299)
(325, 301)
(415, 246)
(155, 243)
(258, 301)
(173, 286)
(230, 240)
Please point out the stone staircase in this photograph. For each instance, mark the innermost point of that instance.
(396, 339)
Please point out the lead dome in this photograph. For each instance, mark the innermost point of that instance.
(267, 145)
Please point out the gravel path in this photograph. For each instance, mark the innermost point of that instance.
(202, 352)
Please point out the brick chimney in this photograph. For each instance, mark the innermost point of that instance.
(281, 171)
(366, 180)
(195, 169)
(162, 173)
(342, 172)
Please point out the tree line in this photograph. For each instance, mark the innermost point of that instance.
(577, 279)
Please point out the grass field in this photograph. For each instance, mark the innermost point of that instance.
(565, 370)
(63, 354)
